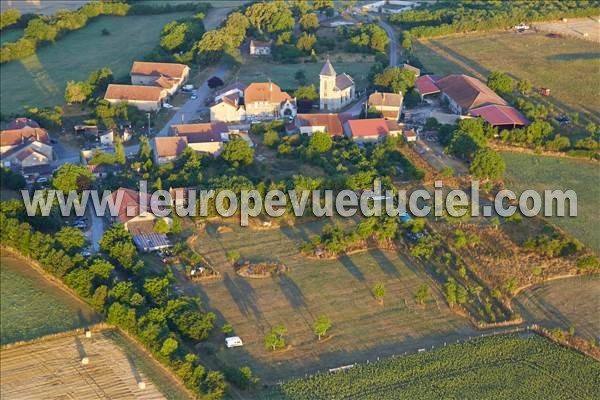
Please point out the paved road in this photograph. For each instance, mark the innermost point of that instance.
(394, 50)
(357, 108)
(189, 110)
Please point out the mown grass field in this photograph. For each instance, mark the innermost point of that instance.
(40, 80)
(340, 289)
(504, 367)
(261, 70)
(568, 66)
(528, 171)
(31, 307)
(564, 303)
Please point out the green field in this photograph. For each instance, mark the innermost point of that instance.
(31, 306)
(528, 171)
(341, 289)
(505, 367)
(564, 303)
(568, 66)
(261, 70)
(40, 80)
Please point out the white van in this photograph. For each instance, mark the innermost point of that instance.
(234, 341)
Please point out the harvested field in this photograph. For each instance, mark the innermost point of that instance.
(564, 303)
(569, 67)
(52, 368)
(580, 28)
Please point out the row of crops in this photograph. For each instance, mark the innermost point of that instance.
(503, 367)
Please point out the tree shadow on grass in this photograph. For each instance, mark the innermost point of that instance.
(291, 291)
(352, 268)
(574, 56)
(384, 263)
(243, 295)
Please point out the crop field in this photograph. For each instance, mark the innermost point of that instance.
(340, 289)
(564, 303)
(31, 306)
(567, 66)
(261, 70)
(503, 367)
(53, 368)
(40, 80)
(526, 171)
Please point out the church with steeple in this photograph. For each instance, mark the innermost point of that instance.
(335, 91)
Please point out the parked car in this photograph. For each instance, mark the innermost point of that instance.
(167, 106)
(86, 253)
(234, 341)
(41, 180)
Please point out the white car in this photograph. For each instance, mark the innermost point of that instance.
(167, 105)
(194, 97)
(234, 341)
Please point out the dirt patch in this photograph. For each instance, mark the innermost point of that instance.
(259, 270)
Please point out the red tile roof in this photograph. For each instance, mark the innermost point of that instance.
(368, 127)
(201, 133)
(265, 91)
(134, 93)
(22, 122)
(468, 92)
(499, 115)
(426, 85)
(13, 137)
(330, 121)
(130, 199)
(385, 99)
(171, 70)
(169, 146)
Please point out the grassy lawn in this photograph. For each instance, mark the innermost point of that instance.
(31, 306)
(567, 66)
(505, 367)
(341, 289)
(40, 80)
(564, 303)
(261, 70)
(527, 171)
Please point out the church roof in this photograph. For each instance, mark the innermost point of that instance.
(328, 69)
(343, 81)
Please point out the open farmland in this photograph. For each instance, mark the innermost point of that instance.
(261, 70)
(31, 306)
(527, 171)
(40, 80)
(564, 303)
(504, 367)
(568, 66)
(53, 368)
(340, 289)
(582, 28)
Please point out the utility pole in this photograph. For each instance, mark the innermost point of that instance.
(148, 114)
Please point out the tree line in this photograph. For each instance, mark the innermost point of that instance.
(118, 285)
